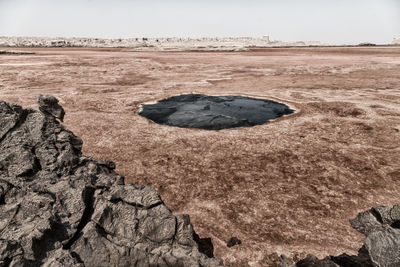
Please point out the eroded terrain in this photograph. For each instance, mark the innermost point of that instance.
(285, 187)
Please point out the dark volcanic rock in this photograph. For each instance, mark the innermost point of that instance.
(213, 112)
(49, 104)
(205, 245)
(381, 248)
(312, 261)
(233, 241)
(60, 208)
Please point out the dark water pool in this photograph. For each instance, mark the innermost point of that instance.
(213, 112)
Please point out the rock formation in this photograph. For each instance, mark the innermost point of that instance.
(381, 227)
(60, 208)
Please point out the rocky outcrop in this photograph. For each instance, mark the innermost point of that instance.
(49, 104)
(381, 227)
(60, 208)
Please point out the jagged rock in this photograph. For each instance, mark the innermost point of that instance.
(312, 261)
(60, 208)
(360, 260)
(63, 258)
(395, 213)
(366, 222)
(381, 246)
(382, 214)
(49, 104)
(286, 262)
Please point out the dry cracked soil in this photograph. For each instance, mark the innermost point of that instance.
(286, 187)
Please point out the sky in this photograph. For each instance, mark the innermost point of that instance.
(328, 21)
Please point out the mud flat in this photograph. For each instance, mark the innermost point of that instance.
(285, 187)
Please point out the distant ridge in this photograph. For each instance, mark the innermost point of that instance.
(143, 43)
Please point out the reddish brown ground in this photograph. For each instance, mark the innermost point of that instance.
(287, 187)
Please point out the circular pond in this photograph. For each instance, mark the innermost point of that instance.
(213, 112)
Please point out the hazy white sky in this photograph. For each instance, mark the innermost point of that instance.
(329, 21)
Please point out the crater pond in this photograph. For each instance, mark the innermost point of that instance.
(213, 112)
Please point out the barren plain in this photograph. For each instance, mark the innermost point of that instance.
(286, 187)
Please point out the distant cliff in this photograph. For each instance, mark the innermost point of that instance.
(175, 43)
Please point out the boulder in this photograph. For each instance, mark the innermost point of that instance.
(381, 248)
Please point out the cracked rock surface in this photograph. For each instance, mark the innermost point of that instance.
(381, 248)
(60, 208)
